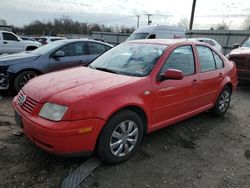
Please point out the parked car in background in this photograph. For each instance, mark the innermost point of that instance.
(133, 89)
(241, 57)
(28, 38)
(17, 69)
(157, 32)
(212, 42)
(46, 40)
(11, 43)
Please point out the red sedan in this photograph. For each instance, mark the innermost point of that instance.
(133, 89)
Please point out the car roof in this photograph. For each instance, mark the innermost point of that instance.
(201, 39)
(162, 41)
(86, 40)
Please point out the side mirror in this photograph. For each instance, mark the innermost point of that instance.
(172, 74)
(236, 45)
(59, 54)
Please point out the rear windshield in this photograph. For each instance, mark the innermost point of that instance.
(137, 36)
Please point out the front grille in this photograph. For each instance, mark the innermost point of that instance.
(240, 62)
(28, 105)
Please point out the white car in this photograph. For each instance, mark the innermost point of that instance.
(48, 39)
(212, 42)
(11, 43)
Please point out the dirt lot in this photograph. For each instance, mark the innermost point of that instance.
(200, 152)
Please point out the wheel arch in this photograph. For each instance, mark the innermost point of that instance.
(136, 109)
(30, 48)
(133, 108)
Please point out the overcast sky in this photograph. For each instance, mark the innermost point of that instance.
(123, 12)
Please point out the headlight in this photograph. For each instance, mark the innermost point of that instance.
(52, 111)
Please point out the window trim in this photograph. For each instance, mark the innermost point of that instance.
(195, 68)
(213, 52)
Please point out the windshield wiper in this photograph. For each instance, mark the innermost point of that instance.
(105, 69)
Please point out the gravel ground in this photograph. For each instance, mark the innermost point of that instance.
(200, 152)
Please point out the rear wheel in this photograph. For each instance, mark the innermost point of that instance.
(120, 138)
(22, 78)
(222, 102)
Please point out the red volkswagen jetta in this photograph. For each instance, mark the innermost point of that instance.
(133, 89)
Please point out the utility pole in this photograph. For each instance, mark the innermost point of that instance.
(149, 21)
(138, 20)
(192, 15)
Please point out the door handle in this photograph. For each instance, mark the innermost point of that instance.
(5, 42)
(220, 74)
(194, 82)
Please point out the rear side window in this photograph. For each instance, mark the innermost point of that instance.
(74, 49)
(181, 58)
(218, 61)
(9, 36)
(206, 58)
(96, 48)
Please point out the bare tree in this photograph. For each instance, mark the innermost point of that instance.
(3, 22)
(246, 23)
(184, 22)
(222, 26)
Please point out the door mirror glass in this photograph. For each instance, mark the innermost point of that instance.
(59, 54)
(172, 74)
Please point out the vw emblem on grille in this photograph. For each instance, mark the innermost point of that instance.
(21, 100)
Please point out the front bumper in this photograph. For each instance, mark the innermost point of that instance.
(243, 75)
(64, 138)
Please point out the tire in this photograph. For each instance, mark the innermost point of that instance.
(113, 148)
(22, 78)
(222, 103)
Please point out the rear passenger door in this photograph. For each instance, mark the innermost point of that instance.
(212, 73)
(11, 43)
(95, 49)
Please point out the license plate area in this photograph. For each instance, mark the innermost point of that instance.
(18, 119)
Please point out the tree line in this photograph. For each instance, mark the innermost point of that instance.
(65, 25)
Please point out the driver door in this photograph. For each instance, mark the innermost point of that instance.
(174, 98)
(11, 44)
(74, 55)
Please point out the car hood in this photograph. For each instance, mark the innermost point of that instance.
(241, 50)
(23, 57)
(69, 85)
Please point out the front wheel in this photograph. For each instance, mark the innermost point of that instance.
(120, 138)
(22, 78)
(222, 102)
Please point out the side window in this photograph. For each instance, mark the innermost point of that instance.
(74, 49)
(181, 58)
(218, 61)
(152, 36)
(206, 58)
(9, 36)
(107, 48)
(96, 48)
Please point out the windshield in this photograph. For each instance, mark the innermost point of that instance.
(48, 47)
(137, 36)
(129, 59)
(246, 43)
